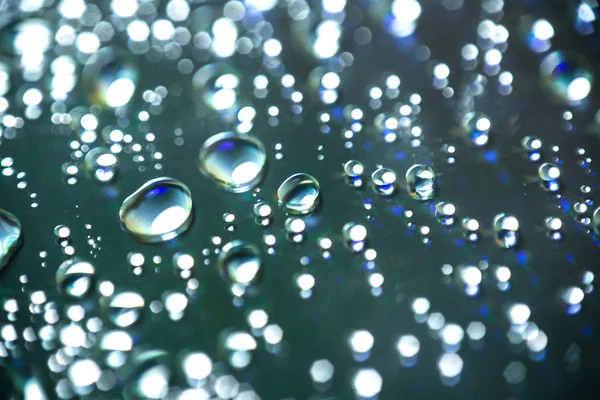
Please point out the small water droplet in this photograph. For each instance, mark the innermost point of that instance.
(101, 164)
(476, 126)
(123, 309)
(506, 230)
(238, 347)
(158, 211)
(240, 262)
(216, 86)
(299, 194)
(445, 212)
(354, 236)
(10, 236)
(354, 170)
(420, 181)
(549, 174)
(75, 277)
(235, 162)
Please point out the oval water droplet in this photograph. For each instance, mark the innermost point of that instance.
(236, 162)
(476, 126)
(10, 236)
(159, 210)
(549, 175)
(109, 78)
(75, 277)
(299, 194)
(567, 75)
(123, 309)
(420, 181)
(216, 86)
(506, 230)
(384, 180)
(240, 262)
(101, 164)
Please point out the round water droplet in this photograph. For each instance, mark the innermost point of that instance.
(553, 225)
(109, 78)
(476, 126)
(549, 175)
(10, 236)
(445, 212)
(354, 170)
(123, 309)
(299, 194)
(567, 75)
(506, 230)
(355, 236)
(420, 181)
(240, 262)
(159, 210)
(238, 347)
(75, 277)
(531, 143)
(216, 86)
(384, 180)
(101, 164)
(236, 162)
(148, 374)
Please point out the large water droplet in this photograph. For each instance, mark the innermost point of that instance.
(549, 175)
(476, 126)
(240, 262)
(420, 181)
(159, 210)
(216, 86)
(10, 236)
(74, 277)
(506, 230)
(101, 164)
(123, 309)
(109, 78)
(148, 375)
(299, 194)
(567, 75)
(236, 162)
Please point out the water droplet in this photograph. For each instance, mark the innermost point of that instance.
(238, 347)
(158, 211)
(445, 212)
(596, 221)
(123, 309)
(236, 162)
(367, 383)
(148, 375)
(75, 277)
(10, 236)
(549, 174)
(553, 225)
(240, 262)
(477, 127)
(567, 75)
(532, 145)
(101, 164)
(420, 181)
(354, 235)
(354, 170)
(506, 230)
(299, 194)
(384, 180)
(196, 367)
(109, 78)
(216, 86)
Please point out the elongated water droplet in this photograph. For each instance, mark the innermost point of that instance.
(384, 180)
(420, 181)
(10, 236)
(506, 230)
(159, 210)
(123, 309)
(236, 162)
(567, 75)
(299, 194)
(101, 164)
(549, 175)
(477, 127)
(109, 78)
(240, 262)
(75, 277)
